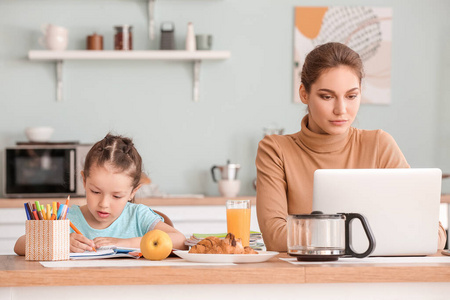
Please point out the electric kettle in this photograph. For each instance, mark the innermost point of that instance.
(320, 237)
(228, 172)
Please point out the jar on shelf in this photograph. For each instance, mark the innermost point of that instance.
(123, 39)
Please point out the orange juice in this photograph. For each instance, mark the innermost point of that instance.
(238, 223)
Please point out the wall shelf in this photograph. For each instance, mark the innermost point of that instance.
(171, 55)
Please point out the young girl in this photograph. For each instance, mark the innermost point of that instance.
(331, 88)
(112, 175)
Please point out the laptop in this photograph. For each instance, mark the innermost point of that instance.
(401, 206)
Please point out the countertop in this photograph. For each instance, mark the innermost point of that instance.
(153, 201)
(15, 271)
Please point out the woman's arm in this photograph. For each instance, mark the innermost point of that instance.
(271, 199)
(442, 237)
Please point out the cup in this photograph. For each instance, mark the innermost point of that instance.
(203, 41)
(229, 188)
(238, 219)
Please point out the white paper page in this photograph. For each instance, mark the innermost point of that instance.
(374, 260)
(100, 252)
(125, 263)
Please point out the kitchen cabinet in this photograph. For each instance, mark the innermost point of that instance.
(12, 226)
(196, 57)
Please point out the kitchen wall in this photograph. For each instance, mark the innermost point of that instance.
(151, 101)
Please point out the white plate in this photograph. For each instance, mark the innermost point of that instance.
(226, 258)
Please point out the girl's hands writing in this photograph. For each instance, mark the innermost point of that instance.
(80, 243)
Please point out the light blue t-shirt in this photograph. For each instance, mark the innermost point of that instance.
(134, 221)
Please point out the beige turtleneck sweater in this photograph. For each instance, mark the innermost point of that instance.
(285, 170)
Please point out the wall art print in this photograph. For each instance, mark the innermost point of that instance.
(367, 30)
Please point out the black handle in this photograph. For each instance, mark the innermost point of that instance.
(348, 235)
(212, 172)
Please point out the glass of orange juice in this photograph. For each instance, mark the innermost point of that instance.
(238, 219)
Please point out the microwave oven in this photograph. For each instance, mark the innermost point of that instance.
(44, 170)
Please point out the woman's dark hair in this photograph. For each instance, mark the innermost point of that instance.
(327, 56)
(118, 152)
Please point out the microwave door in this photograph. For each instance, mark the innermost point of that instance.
(39, 171)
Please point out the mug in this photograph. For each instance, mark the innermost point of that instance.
(203, 41)
(229, 188)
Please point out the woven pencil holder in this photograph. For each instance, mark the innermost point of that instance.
(47, 239)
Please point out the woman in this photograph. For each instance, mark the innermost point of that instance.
(331, 88)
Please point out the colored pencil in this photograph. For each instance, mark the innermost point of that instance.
(26, 211)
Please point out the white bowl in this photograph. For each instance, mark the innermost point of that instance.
(39, 134)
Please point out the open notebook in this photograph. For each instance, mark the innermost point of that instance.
(108, 252)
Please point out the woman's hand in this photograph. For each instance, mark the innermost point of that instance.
(80, 243)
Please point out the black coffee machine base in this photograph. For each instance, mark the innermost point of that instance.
(318, 257)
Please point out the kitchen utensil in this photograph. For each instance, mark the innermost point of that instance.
(39, 134)
(229, 188)
(320, 237)
(123, 39)
(55, 37)
(94, 42)
(167, 36)
(227, 172)
(203, 41)
(190, 38)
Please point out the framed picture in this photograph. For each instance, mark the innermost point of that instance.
(367, 30)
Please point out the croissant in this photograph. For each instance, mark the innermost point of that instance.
(229, 245)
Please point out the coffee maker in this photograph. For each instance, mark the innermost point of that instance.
(229, 185)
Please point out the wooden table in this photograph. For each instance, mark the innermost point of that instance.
(20, 279)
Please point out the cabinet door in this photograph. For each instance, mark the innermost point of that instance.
(12, 226)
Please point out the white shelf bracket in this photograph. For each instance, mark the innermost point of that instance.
(59, 80)
(196, 87)
(151, 19)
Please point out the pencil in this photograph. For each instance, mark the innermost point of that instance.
(26, 211)
(54, 210)
(77, 231)
(49, 212)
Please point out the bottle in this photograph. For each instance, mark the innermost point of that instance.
(190, 38)
(123, 39)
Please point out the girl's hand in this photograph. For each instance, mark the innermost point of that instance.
(108, 241)
(80, 243)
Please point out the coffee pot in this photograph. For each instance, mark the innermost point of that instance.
(227, 172)
(321, 237)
